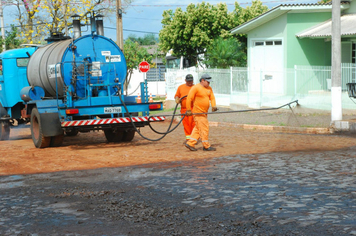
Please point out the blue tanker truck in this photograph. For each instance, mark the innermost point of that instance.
(68, 86)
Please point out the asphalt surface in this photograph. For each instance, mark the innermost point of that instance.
(301, 192)
(266, 194)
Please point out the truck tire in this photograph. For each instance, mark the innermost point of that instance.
(36, 131)
(56, 141)
(4, 130)
(3, 111)
(128, 135)
(113, 136)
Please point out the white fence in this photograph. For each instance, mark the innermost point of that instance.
(310, 85)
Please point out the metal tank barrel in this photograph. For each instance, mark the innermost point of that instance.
(64, 60)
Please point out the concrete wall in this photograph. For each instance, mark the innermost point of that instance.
(155, 88)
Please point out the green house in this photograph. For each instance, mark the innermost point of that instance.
(294, 34)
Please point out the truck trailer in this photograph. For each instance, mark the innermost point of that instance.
(68, 86)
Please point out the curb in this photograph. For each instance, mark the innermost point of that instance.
(304, 130)
(286, 129)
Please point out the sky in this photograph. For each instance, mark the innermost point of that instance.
(144, 16)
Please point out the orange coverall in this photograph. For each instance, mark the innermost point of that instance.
(200, 97)
(188, 121)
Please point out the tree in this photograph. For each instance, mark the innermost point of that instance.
(11, 39)
(147, 39)
(224, 53)
(189, 33)
(38, 18)
(134, 54)
(242, 15)
(28, 10)
(324, 1)
(192, 32)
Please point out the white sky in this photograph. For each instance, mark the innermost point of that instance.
(144, 16)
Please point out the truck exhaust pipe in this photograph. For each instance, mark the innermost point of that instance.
(76, 26)
(99, 24)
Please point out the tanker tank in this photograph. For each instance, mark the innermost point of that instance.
(73, 64)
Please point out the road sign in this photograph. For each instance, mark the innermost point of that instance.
(144, 66)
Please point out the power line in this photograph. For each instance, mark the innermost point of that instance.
(140, 18)
(18, 26)
(229, 4)
(137, 31)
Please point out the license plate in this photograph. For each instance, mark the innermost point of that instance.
(112, 109)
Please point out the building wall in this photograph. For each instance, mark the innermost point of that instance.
(306, 51)
(271, 30)
(352, 9)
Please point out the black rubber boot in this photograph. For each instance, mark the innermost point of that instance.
(190, 147)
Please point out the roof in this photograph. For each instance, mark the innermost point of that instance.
(17, 53)
(283, 9)
(323, 30)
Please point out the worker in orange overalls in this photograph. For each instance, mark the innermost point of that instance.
(183, 90)
(200, 96)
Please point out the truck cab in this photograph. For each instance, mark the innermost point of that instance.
(12, 79)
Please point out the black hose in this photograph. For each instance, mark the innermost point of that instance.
(183, 115)
(164, 134)
(174, 113)
(262, 109)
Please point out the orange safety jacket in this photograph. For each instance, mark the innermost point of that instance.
(182, 91)
(199, 97)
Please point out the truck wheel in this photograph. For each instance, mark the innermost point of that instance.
(56, 141)
(112, 136)
(128, 135)
(72, 132)
(4, 130)
(36, 131)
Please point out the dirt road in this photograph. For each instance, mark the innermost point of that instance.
(256, 183)
(91, 150)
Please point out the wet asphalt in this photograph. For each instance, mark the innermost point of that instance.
(293, 193)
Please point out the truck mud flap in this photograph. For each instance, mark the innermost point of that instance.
(51, 125)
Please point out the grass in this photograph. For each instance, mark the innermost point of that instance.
(158, 99)
(307, 126)
(275, 123)
(161, 111)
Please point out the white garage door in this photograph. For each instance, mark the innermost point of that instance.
(267, 63)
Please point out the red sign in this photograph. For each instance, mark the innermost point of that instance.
(144, 66)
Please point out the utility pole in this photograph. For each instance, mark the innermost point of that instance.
(336, 106)
(65, 3)
(2, 27)
(119, 29)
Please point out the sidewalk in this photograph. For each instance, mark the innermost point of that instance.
(295, 120)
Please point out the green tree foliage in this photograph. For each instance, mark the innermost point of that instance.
(148, 39)
(242, 15)
(224, 53)
(134, 54)
(192, 32)
(11, 39)
(324, 1)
